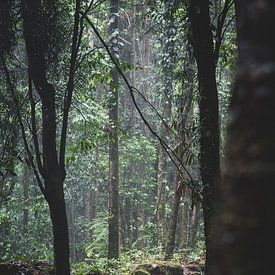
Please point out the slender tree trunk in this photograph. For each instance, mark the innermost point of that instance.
(184, 236)
(95, 192)
(26, 180)
(161, 185)
(173, 223)
(247, 216)
(209, 118)
(113, 251)
(88, 197)
(167, 68)
(185, 109)
(194, 227)
(128, 211)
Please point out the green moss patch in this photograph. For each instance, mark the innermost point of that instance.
(158, 268)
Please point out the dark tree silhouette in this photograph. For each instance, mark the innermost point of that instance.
(247, 219)
(202, 40)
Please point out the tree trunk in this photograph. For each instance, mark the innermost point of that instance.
(184, 236)
(60, 235)
(185, 109)
(25, 182)
(88, 198)
(113, 251)
(162, 179)
(209, 118)
(247, 218)
(52, 173)
(168, 76)
(170, 246)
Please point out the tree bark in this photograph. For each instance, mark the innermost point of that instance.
(60, 235)
(113, 251)
(247, 216)
(202, 39)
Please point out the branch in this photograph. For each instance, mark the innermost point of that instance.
(34, 130)
(219, 33)
(70, 86)
(25, 142)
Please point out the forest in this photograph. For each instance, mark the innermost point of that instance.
(137, 137)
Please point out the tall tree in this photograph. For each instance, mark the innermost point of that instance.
(202, 39)
(185, 107)
(168, 64)
(38, 42)
(113, 250)
(40, 35)
(247, 217)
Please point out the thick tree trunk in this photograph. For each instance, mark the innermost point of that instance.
(113, 250)
(209, 118)
(248, 207)
(60, 235)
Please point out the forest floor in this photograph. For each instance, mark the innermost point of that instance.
(154, 268)
(26, 268)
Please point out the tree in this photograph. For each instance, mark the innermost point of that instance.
(247, 216)
(113, 251)
(41, 36)
(207, 55)
(185, 107)
(202, 39)
(40, 43)
(168, 65)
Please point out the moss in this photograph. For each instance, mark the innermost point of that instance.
(159, 268)
(141, 272)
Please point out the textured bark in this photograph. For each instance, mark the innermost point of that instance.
(61, 236)
(248, 207)
(113, 251)
(202, 39)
